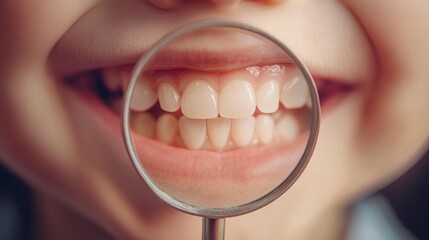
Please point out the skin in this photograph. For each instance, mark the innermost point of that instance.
(371, 138)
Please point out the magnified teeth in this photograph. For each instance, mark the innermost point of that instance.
(143, 123)
(144, 97)
(264, 128)
(192, 132)
(218, 131)
(242, 130)
(169, 97)
(199, 100)
(221, 132)
(167, 128)
(237, 100)
(287, 127)
(268, 96)
(216, 111)
(295, 93)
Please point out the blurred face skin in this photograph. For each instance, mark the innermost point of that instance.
(68, 145)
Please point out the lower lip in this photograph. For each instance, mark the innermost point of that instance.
(205, 178)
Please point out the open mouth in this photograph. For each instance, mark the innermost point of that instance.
(207, 136)
(213, 111)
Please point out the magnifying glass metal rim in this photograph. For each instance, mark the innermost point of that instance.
(235, 210)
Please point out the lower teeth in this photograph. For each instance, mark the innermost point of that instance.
(220, 134)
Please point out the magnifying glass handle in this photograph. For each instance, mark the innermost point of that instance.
(213, 229)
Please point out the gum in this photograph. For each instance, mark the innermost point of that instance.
(179, 78)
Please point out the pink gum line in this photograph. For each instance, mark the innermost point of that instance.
(180, 78)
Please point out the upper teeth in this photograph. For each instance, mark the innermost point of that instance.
(144, 97)
(295, 93)
(169, 97)
(268, 96)
(200, 100)
(237, 100)
(203, 97)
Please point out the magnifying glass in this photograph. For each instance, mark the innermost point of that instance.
(220, 119)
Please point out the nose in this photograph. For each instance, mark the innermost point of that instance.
(172, 4)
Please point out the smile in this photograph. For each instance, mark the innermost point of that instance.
(241, 129)
(209, 131)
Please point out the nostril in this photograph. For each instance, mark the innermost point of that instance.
(166, 4)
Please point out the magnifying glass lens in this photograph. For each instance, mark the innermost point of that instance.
(220, 116)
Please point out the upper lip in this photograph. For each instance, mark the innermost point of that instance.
(82, 49)
(224, 60)
(210, 53)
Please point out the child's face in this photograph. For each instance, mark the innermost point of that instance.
(66, 141)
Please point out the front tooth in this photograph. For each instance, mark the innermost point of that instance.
(264, 128)
(199, 101)
(295, 93)
(268, 96)
(237, 100)
(143, 123)
(193, 132)
(166, 128)
(242, 130)
(144, 97)
(287, 128)
(169, 97)
(218, 131)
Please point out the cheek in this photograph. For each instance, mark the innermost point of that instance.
(29, 30)
(36, 131)
(35, 134)
(395, 117)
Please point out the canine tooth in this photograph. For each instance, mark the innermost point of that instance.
(169, 97)
(287, 128)
(218, 131)
(166, 128)
(237, 100)
(199, 100)
(242, 130)
(295, 93)
(143, 123)
(264, 128)
(144, 97)
(268, 96)
(193, 132)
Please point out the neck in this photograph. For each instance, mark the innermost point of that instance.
(56, 221)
